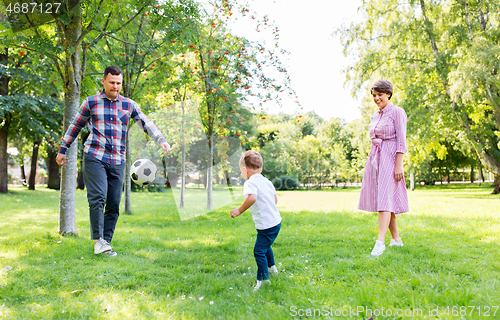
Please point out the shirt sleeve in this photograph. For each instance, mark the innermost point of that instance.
(271, 186)
(249, 188)
(400, 120)
(75, 127)
(146, 124)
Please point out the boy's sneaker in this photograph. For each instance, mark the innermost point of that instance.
(378, 249)
(260, 283)
(395, 243)
(101, 246)
(273, 270)
(111, 253)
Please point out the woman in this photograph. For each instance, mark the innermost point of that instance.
(384, 189)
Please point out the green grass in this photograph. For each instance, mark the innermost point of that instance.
(203, 268)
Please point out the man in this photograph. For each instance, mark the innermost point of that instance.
(107, 115)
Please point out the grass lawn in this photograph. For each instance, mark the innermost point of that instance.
(203, 268)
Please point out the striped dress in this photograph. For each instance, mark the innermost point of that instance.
(379, 190)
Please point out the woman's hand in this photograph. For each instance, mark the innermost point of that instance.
(398, 170)
(399, 173)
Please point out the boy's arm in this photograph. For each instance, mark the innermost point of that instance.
(249, 201)
(275, 199)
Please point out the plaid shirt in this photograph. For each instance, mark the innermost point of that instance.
(107, 121)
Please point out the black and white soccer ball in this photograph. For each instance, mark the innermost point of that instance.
(143, 171)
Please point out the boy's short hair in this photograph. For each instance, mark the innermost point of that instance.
(252, 160)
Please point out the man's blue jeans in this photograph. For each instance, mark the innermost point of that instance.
(104, 183)
(262, 251)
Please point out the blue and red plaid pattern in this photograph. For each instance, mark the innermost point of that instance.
(107, 121)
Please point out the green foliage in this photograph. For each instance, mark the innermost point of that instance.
(286, 183)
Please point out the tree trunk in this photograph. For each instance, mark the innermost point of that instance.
(229, 185)
(80, 183)
(54, 178)
(480, 169)
(496, 185)
(183, 163)
(412, 180)
(4, 129)
(4, 173)
(472, 173)
(210, 163)
(80, 180)
(210, 135)
(496, 190)
(34, 165)
(23, 174)
(73, 78)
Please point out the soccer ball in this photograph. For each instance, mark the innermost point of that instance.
(143, 171)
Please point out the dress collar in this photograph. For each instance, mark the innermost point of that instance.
(387, 108)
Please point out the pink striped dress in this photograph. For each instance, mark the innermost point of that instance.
(379, 190)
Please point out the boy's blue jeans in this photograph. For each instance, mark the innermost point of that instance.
(262, 251)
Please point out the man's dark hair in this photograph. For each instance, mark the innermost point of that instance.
(115, 71)
(382, 86)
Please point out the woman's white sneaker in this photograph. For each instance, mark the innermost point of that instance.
(395, 243)
(378, 249)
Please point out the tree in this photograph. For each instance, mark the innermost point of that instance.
(231, 70)
(26, 107)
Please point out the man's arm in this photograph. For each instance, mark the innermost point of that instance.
(249, 201)
(149, 127)
(74, 129)
(165, 146)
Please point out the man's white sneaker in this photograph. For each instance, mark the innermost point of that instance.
(378, 249)
(111, 253)
(260, 283)
(101, 246)
(395, 243)
(273, 270)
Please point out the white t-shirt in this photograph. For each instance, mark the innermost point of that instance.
(264, 211)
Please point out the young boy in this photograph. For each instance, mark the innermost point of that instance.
(261, 199)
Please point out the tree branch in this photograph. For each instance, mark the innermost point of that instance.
(113, 37)
(130, 20)
(58, 68)
(101, 35)
(89, 27)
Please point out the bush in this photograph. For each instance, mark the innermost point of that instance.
(286, 183)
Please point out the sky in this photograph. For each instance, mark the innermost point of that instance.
(316, 61)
